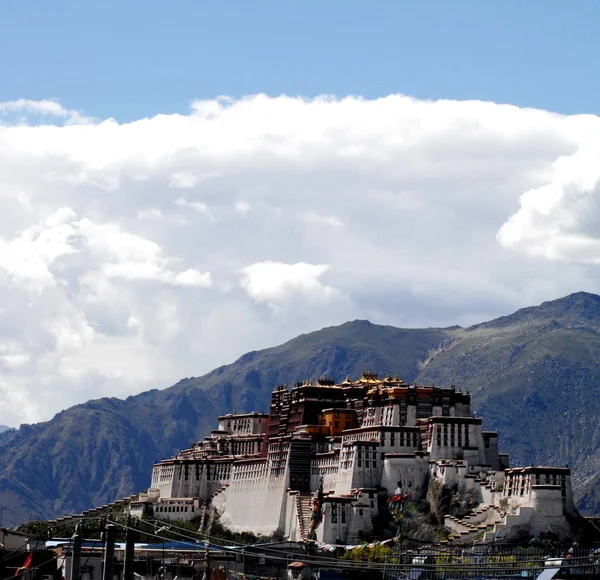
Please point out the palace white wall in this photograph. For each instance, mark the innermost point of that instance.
(185, 509)
(347, 521)
(291, 527)
(200, 480)
(255, 500)
(346, 470)
(450, 448)
(410, 469)
(251, 423)
(325, 466)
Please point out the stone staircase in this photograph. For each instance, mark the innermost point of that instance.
(203, 514)
(216, 498)
(214, 495)
(487, 523)
(509, 524)
(304, 507)
(93, 513)
(479, 522)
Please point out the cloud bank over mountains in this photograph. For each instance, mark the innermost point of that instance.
(134, 254)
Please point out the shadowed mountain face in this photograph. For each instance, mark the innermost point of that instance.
(533, 375)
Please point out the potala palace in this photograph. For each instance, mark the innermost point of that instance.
(319, 463)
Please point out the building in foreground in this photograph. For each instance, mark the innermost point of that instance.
(317, 463)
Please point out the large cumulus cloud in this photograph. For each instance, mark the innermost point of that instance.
(134, 254)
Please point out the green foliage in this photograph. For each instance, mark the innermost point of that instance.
(365, 553)
(45, 530)
(35, 529)
(419, 525)
(178, 530)
(446, 500)
(150, 532)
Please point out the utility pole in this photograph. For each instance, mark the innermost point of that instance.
(130, 538)
(160, 531)
(206, 563)
(76, 555)
(109, 552)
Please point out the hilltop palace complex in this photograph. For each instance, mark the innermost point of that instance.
(340, 448)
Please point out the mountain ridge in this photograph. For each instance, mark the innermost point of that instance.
(514, 366)
(578, 302)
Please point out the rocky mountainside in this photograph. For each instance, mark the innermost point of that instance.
(534, 376)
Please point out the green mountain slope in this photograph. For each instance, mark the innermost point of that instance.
(533, 376)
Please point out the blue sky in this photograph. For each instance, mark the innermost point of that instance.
(138, 58)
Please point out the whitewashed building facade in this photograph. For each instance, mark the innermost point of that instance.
(334, 450)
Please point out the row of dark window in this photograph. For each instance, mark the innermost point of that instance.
(172, 509)
(453, 442)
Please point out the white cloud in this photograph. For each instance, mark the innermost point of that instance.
(44, 108)
(183, 180)
(297, 214)
(12, 355)
(150, 213)
(187, 179)
(275, 282)
(29, 256)
(106, 247)
(192, 277)
(321, 220)
(198, 206)
(559, 220)
(243, 207)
